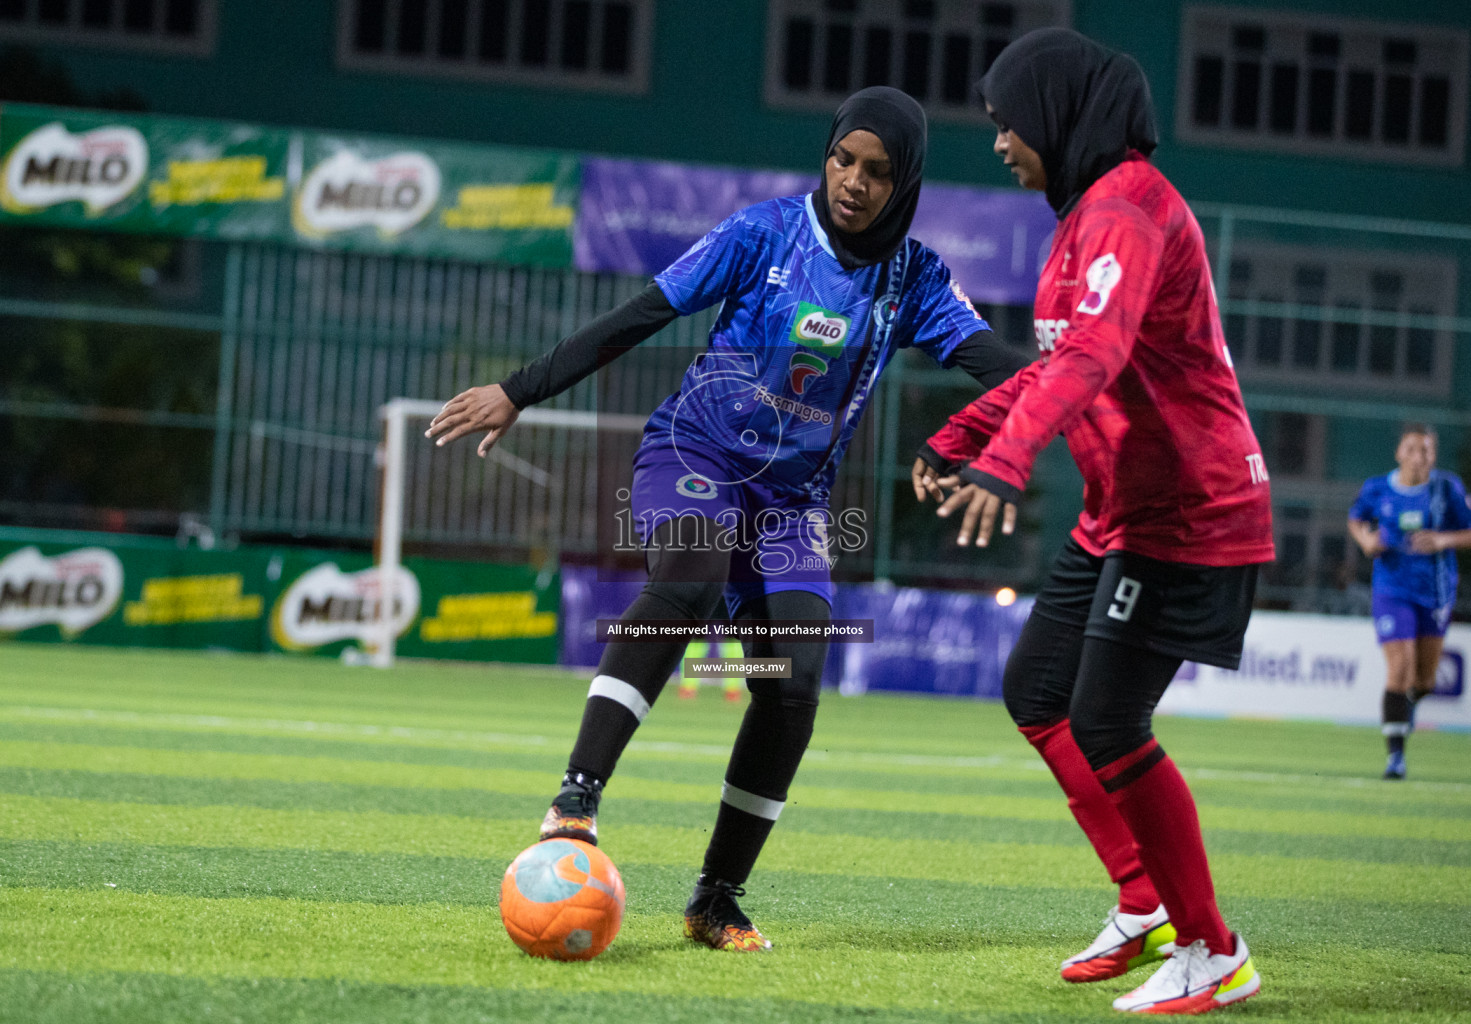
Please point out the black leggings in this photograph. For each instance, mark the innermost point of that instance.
(807, 658)
(684, 584)
(1107, 690)
(773, 736)
(779, 721)
(687, 585)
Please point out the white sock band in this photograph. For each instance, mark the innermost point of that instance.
(751, 803)
(617, 689)
(1395, 729)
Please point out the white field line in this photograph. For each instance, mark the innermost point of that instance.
(462, 736)
(476, 738)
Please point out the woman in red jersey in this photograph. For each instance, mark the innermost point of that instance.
(1162, 564)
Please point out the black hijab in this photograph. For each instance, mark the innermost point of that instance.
(1080, 105)
(899, 123)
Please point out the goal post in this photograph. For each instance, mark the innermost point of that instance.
(396, 415)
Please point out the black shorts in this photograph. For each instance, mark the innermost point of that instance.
(1195, 612)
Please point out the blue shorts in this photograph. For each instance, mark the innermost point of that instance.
(1398, 619)
(777, 541)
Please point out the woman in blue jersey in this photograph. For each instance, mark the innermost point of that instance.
(1410, 521)
(732, 479)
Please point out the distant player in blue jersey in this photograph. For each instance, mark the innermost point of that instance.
(1410, 522)
(732, 480)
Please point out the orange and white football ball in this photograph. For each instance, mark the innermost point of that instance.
(562, 899)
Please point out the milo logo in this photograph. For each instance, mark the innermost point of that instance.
(100, 168)
(348, 191)
(815, 327)
(74, 590)
(325, 605)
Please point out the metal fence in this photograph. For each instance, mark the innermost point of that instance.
(250, 408)
(1342, 328)
(319, 342)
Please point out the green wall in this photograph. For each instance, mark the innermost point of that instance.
(275, 62)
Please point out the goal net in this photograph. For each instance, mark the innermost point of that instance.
(563, 441)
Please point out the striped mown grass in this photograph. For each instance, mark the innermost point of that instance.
(192, 837)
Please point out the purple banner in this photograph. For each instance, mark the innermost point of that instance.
(637, 217)
(993, 240)
(924, 641)
(588, 595)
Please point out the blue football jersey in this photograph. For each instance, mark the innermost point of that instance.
(1399, 511)
(798, 343)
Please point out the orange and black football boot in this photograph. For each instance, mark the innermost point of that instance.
(713, 917)
(574, 811)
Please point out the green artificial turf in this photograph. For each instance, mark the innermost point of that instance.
(190, 838)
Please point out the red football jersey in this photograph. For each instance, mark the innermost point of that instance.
(1136, 373)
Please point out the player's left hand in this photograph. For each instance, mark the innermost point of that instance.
(1427, 542)
(981, 507)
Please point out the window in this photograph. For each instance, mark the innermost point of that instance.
(818, 51)
(590, 44)
(1294, 445)
(1294, 541)
(1333, 568)
(168, 26)
(1314, 562)
(1313, 84)
(1315, 565)
(1340, 319)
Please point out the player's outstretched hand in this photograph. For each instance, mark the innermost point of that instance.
(980, 507)
(926, 481)
(486, 408)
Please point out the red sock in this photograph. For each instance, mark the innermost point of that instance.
(1151, 795)
(1100, 820)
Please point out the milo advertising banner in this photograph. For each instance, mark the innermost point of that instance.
(465, 610)
(139, 591)
(466, 202)
(327, 607)
(126, 172)
(239, 182)
(106, 589)
(73, 590)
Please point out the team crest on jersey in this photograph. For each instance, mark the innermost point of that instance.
(803, 368)
(1103, 276)
(886, 310)
(693, 485)
(818, 328)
